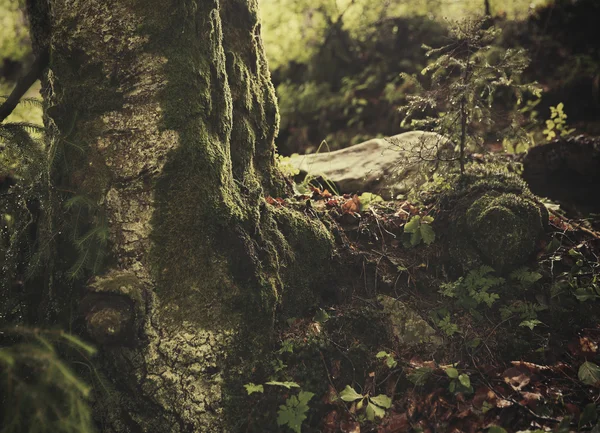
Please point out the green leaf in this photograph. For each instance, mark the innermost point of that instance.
(382, 354)
(305, 396)
(589, 373)
(382, 400)
(374, 411)
(288, 385)
(391, 362)
(464, 380)
(413, 225)
(415, 238)
(496, 429)
(452, 372)
(589, 415)
(293, 413)
(427, 233)
(252, 388)
(530, 323)
(420, 375)
(348, 394)
(321, 316)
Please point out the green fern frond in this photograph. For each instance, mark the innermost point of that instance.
(525, 276)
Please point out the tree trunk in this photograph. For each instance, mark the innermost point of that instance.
(162, 119)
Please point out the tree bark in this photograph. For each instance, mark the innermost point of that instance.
(162, 119)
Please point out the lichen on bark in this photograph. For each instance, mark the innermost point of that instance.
(167, 119)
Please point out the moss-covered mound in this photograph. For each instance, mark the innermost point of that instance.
(492, 219)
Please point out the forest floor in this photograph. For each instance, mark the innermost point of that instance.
(526, 359)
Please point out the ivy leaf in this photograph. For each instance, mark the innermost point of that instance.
(288, 385)
(348, 394)
(373, 411)
(427, 233)
(293, 413)
(382, 400)
(252, 388)
(589, 373)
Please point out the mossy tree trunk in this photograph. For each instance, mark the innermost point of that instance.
(162, 119)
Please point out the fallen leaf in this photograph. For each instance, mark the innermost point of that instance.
(516, 378)
(351, 206)
(397, 423)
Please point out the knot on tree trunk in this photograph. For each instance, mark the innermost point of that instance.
(114, 308)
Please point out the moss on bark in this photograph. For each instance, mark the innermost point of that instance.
(165, 121)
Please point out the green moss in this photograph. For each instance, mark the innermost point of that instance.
(307, 248)
(494, 219)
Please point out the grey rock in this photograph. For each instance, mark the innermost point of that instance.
(384, 166)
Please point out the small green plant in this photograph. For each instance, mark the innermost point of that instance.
(293, 412)
(459, 382)
(447, 327)
(367, 199)
(556, 126)
(465, 77)
(390, 359)
(419, 376)
(474, 289)
(285, 165)
(373, 406)
(420, 230)
(530, 129)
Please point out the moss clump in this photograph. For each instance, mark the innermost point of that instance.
(493, 219)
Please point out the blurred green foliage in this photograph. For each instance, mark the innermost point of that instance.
(14, 37)
(336, 64)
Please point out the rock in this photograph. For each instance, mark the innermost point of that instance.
(492, 218)
(566, 170)
(406, 325)
(384, 166)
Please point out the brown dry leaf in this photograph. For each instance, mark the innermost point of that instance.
(502, 403)
(331, 203)
(275, 201)
(326, 194)
(349, 426)
(351, 206)
(315, 190)
(484, 394)
(397, 423)
(516, 378)
(331, 422)
(588, 346)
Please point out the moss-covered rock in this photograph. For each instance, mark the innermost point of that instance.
(493, 219)
(406, 325)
